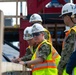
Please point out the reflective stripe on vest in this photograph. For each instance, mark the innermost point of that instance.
(55, 56)
(49, 63)
(46, 64)
(54, 53)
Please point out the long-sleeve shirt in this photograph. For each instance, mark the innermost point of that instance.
(67, 50)
(28, 54)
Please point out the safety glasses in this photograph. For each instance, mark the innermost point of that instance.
(36, 34)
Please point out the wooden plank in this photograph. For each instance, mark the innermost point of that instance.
(14, 16)
(11, 29)
(11, 67)
(1, 37)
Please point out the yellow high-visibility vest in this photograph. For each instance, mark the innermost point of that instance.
(48, 67)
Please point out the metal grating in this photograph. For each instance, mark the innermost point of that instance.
(10, 0)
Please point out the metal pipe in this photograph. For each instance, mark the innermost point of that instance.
(21, 7)
(4, 55)
(8, 43)
(16, 12)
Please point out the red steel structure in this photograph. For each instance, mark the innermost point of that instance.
(35, 6)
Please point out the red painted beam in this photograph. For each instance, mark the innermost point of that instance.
(53, 10)
(42, 5)
(23, 43)
(31, 6)
(75, 1)
(62, 2)
(35, 6)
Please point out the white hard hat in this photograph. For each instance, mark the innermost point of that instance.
(35, 17)
(37, 28)
(66, 28)
(74, 11)
(67, 8)
(28, 33)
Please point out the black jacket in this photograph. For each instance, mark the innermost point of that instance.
(72, 63)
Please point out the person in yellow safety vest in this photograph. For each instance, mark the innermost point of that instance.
(69, 42)
(36, 18)
(71, 65)
(30, 49)
(42, 62)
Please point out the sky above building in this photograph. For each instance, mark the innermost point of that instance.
(9, 8)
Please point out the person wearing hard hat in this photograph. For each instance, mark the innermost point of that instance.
(31, 48)
(71, 65)
(42, 62)
(36, 18)
(69, 42)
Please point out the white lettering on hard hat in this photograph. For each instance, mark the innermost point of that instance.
(35, 29)
(75, 6)
(27, 34)
(33, 17)
(71, 6)
(65, 11)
